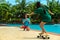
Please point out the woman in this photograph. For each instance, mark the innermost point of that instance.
(44, 13)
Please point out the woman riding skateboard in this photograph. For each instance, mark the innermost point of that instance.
(44, 13)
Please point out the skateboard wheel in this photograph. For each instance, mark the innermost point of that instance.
(43, 37)
(37, 36)
(48, 37)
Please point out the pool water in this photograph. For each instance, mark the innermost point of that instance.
(49, 28)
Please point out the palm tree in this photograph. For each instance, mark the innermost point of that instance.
(47, 2)
(4, 11)
(57, 2)
(18, 1)
(23, 4)
(2, 1)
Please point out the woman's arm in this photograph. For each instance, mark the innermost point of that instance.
(50, 12)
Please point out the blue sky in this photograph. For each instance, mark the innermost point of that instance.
(13, 1)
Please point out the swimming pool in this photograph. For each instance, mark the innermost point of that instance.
(49, 28)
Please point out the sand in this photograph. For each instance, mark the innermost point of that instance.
(14, 33)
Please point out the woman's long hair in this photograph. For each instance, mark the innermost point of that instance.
(38, 4)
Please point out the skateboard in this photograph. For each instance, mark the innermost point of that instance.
(43, 36)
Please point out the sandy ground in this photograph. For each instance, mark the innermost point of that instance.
(13, 33)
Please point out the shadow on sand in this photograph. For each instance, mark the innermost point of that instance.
(33, 38)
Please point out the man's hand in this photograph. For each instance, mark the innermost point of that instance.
(28, 14)
(52, 13)
(31, 13)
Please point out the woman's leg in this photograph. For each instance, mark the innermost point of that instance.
(42, 27)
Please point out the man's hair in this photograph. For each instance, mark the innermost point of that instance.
(23, 15)
(27, 16)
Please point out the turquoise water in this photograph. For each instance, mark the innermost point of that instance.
(49, 28)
